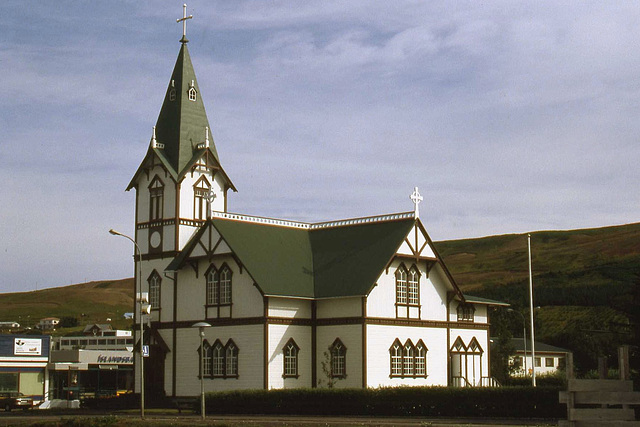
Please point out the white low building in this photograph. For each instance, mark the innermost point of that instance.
(363, 302)
(548, 359)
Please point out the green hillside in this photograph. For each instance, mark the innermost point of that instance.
(585, 282)
(92, 302)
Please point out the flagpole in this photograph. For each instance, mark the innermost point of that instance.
(533, 345)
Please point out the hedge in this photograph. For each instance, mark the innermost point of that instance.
(507, 402)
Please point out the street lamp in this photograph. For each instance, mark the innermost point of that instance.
(138, 282)
(201, 326)
(524, 336)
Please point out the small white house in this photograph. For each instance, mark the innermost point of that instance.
(48, 323)
(548, 359)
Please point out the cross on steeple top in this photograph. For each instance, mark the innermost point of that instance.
(184, 23)
(416, 198)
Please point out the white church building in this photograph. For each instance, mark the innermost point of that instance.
(362, 302)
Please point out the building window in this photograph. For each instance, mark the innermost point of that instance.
(466, 312)
(290, 352)
(414, 286)
(401, 285)
(421, 359)
(213, 282)
(231, 359)
(200, 202)
(338, 359)
(192, 93)
(172, 94)
(538, 362)
(396, 359)
(154, 289)
(408, 361)
(225, 285)
(548, 362)
(156, 199)
(218, 287)
(218, 359)
(207, 362)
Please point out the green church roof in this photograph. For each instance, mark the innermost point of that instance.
(314, 262)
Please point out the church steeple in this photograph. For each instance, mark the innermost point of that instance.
(182, 122)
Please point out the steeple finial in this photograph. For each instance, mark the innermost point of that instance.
(184, 23)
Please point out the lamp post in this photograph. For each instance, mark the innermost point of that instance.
(138, 282)
(524, 336)
(533, 345)
(201, 326)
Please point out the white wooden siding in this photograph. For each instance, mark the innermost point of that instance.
(279, 335)
(289, 308)
(380, 339)
(247, 338)
(351, 337)
(339, 307)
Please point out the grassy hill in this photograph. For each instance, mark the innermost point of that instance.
(92, 302)
(585, 282)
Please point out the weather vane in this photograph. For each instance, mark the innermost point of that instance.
(184, 23)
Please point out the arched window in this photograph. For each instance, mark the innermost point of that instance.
(401, 285)
(218, 286)
(338, 359)
(231, 359)
(192, 94)
(290, 352)
(414, 286)
(396, 358)
(156, 199)
(213, 281)
(421, 359)
(225, 285)
(407, 356)
(154, 289)
(218, 359)
(206, 360)
(200, 203)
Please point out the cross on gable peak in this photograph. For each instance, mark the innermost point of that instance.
(416, 198)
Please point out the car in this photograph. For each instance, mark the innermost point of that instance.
(14, 400)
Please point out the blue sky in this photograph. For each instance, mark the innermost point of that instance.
(509, 117)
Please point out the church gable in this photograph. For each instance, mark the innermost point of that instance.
(417, 244)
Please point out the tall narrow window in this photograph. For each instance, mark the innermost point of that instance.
(421, 359)
(401, 285)
(213, 282)
(207, 364)
(154, 289)
(218, 359)
(414, 286)
(231, 359)
(192, 94)
(396, 358)
(156, 199)
(225, 285)
(290, 352)
(408, 359)
(338, 359)
(200, 202)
